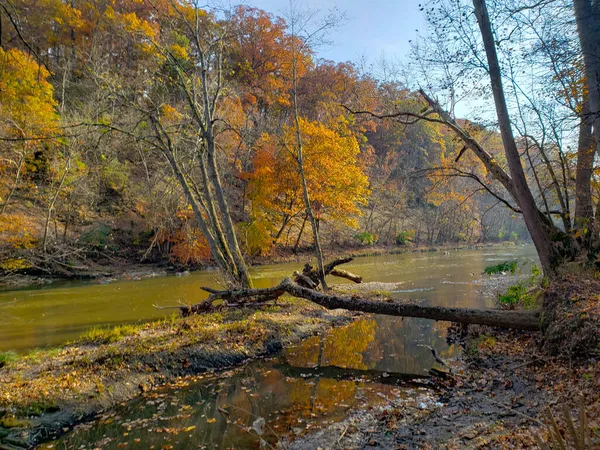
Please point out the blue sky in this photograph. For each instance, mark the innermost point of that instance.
(373, 27)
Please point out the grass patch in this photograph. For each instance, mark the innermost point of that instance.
(503, 267)
(7, 357)
(525, 293)
(109, 334)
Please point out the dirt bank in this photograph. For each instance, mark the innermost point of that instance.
(47, 391)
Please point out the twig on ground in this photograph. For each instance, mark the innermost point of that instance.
(342, 435)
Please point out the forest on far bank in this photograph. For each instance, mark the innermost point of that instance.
(155, 131)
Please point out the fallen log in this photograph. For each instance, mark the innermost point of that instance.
(524, 320)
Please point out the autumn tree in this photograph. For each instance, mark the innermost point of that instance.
(332, 173)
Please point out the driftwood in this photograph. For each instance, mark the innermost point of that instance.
(310, 276)
(305, 286)
(525, 320)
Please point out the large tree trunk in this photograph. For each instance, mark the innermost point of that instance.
(525, 320)
(213, 172)
(586, 150)
(523, 194)
(587, 15)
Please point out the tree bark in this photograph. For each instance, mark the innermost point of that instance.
(53, 202)
(310, 276)
(523, 195)
(305, 193)
(347, 275)
(525, 320)
(240, 264)
(586, 150)
(587, 16)
(295, 249)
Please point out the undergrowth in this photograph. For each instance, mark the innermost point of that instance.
(503, 267)
(524, 293)
(7, 357)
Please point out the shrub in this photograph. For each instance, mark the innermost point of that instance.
(523, 293)
(503, 267)
(365, 238)
(517, 293)
(403, 238)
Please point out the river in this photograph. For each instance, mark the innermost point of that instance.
(305, 387)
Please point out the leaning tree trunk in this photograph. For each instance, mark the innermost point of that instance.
(229, 228)
(523, 194)
(305, 193)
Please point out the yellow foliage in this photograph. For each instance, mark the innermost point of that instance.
(336, 182)
(27, 105)
(15, 236)
(257, 238)
(134, 24)
(179, 52)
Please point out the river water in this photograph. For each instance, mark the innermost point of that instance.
(305, 387)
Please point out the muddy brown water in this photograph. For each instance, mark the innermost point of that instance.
(303, 388)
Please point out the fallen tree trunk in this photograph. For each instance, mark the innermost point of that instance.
(525, 320)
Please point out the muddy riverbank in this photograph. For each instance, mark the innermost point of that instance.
(497, 398)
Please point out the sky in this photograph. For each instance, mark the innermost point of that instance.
(373, 27)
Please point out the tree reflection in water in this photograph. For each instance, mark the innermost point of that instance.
(217, 411)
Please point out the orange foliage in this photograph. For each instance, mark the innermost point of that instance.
(188, 244)
(335, 180)
(262, 57)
